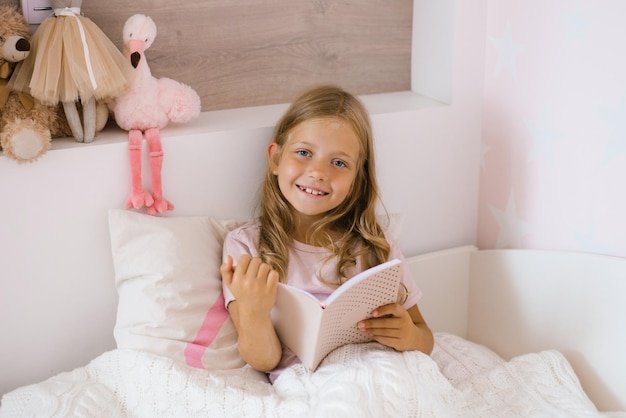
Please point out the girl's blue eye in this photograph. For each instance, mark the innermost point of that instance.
(302, 152)
(339, 163)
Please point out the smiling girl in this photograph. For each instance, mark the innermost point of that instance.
(316, 229)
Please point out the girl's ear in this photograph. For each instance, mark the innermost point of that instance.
(272, 157)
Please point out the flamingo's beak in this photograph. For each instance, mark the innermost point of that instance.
(135, 49)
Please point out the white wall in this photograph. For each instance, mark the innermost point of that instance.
(57, 299)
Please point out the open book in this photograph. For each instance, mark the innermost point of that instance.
(312, 329)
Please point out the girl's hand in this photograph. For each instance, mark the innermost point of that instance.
(395, 327)
(253, 283)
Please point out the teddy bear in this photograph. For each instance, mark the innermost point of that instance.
(26, 125)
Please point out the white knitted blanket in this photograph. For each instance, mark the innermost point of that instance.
(364, 380)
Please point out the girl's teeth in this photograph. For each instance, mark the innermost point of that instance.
(313, 192)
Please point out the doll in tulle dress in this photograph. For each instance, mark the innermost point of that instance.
(72, 61)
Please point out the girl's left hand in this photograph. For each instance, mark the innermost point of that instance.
(392, 325)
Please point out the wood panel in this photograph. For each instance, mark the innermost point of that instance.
(255, 52)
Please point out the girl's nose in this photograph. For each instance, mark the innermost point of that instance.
(317, 170)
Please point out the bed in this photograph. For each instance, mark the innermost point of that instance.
(85, 331)
(503, 347)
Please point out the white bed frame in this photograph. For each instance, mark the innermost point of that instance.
(521, 301)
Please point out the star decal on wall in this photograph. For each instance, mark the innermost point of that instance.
(507, 50)
(589, 241)
(577, 24)
(615, 120)
(484, 149)
(545, 138)
(512, 228)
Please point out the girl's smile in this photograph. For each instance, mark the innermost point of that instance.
(311, 191)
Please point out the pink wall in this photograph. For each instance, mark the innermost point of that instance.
(553, 167)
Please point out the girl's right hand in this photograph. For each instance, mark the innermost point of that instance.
(253, 284)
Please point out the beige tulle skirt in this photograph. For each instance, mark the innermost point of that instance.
(56, 69)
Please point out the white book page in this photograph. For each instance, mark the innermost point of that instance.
(296, 317)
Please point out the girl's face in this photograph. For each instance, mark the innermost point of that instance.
(317, 166)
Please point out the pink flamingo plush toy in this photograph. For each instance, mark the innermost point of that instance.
(147, 106)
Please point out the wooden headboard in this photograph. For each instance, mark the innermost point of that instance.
(256, 52)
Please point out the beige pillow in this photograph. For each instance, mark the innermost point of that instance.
(170, 289)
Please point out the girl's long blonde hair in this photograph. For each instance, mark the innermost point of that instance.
(355, 218)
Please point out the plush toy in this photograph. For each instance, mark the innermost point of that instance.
(26, 125)
(147, 106)
(72, 62)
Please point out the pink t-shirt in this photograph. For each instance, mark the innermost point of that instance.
(303, 271)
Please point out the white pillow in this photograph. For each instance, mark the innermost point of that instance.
(170, 289)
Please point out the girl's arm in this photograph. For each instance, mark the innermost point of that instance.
(398, 328)
(253, 284)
